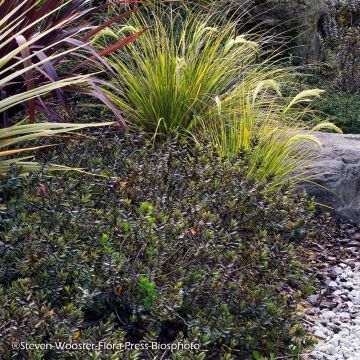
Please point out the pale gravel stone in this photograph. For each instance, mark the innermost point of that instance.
(339, 329)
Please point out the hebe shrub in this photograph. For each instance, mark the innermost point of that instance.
(174, 246)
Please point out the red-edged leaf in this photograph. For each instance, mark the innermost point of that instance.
(49, 71)
(119, 44)
(105, 25)
(50, 114)
(97, 92)
(90, 49)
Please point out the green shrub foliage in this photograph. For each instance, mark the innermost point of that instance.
(174, 246)
(343, 109)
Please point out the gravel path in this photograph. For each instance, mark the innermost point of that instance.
(336, 315)
(339, 327)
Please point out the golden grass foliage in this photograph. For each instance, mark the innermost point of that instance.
(197, 77)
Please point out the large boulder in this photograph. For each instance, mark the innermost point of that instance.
(337, 169)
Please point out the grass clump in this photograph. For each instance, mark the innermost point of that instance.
(198, 76)
(171, 75)
(176, 246)
(269, 132)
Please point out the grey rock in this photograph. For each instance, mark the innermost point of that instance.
(356, 299)
(328, 315)
(327, 348)
(337, 169)
(320, 334)
(313, 299)
(335, 340)
(337, 270)
(349, 304)
(352, 265)
(331, 283)
(348, 285)
(353, 250)
(338, 293)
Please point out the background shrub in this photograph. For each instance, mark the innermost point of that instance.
(343, 60)
(177, 246)
(343, 109)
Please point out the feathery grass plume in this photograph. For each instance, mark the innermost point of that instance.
(167, 82)
(267, 132)
(169, 77)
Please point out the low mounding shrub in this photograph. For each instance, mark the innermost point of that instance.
(174, 246)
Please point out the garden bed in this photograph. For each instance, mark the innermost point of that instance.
(174, 244)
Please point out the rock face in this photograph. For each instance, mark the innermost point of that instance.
(300, 20)
(337, 169)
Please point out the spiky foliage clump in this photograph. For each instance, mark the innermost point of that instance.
(171, 75)
(42, 43)
(33, 39)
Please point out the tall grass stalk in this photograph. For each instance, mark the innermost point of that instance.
(266, 130)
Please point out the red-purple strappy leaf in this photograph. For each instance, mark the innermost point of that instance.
(51, 74)
(91, 50)
(91, 33)
(118, 45)
(73, 27)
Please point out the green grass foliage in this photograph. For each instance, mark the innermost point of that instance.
(197, 76)
(171, 75)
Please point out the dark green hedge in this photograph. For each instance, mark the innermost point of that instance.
(177, 247)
